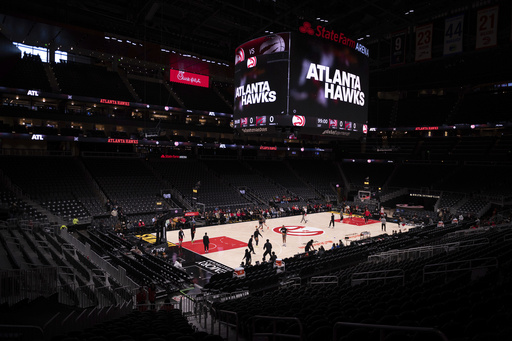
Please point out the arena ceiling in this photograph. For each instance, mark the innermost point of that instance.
(214, 28)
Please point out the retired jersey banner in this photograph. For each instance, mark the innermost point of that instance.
(423, 42)
(487, 27)
(453, 28)
(398, 47)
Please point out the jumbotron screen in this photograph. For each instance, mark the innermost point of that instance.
(311, 83)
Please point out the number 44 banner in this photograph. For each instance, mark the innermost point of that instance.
(453, 28)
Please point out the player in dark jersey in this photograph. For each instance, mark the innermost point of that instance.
(268, 249)
(193, 231)
(181, 235)
(247, 257)
(249, 245)
(309, 246)
(206, 242)
(256, 235)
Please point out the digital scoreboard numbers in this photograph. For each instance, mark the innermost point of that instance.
(314, 82)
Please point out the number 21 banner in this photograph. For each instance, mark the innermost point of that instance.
(423, 42)
(453, 28)
(487, 27)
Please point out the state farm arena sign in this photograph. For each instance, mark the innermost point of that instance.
(300, 231)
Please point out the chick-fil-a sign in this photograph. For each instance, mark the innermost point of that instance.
(189, 78)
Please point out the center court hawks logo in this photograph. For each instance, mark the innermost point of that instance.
(300, 231)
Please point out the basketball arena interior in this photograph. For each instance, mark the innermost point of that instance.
(256, 170)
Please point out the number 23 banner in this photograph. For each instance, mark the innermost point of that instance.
(423, 42)
(487, 27)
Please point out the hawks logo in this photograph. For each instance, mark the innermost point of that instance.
(298, 121)
(251, 62)
(300, 231)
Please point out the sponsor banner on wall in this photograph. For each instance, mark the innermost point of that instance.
(189, 78)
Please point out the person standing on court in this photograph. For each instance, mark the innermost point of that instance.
(284, 231)
(260, 222)
(249, 245)
(256, 235)
(193, 231)
(366, 215)
(180, 236)
(332, 220)
(383, 223)
(268, 249)
(206, 242)
(304, 215)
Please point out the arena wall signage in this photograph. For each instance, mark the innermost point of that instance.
(189, 78)
(114, 102)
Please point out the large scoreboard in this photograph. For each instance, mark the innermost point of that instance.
(313, 82)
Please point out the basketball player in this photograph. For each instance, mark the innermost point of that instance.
(206, 242)
(332, 220)
(180, 236)
(284, 231)
(265, 222)
(247, 257)
(268, 249)
(366, 215)
(193, 231)
(260, 222)
(257, 234)
(249, 245)
(304, 215)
